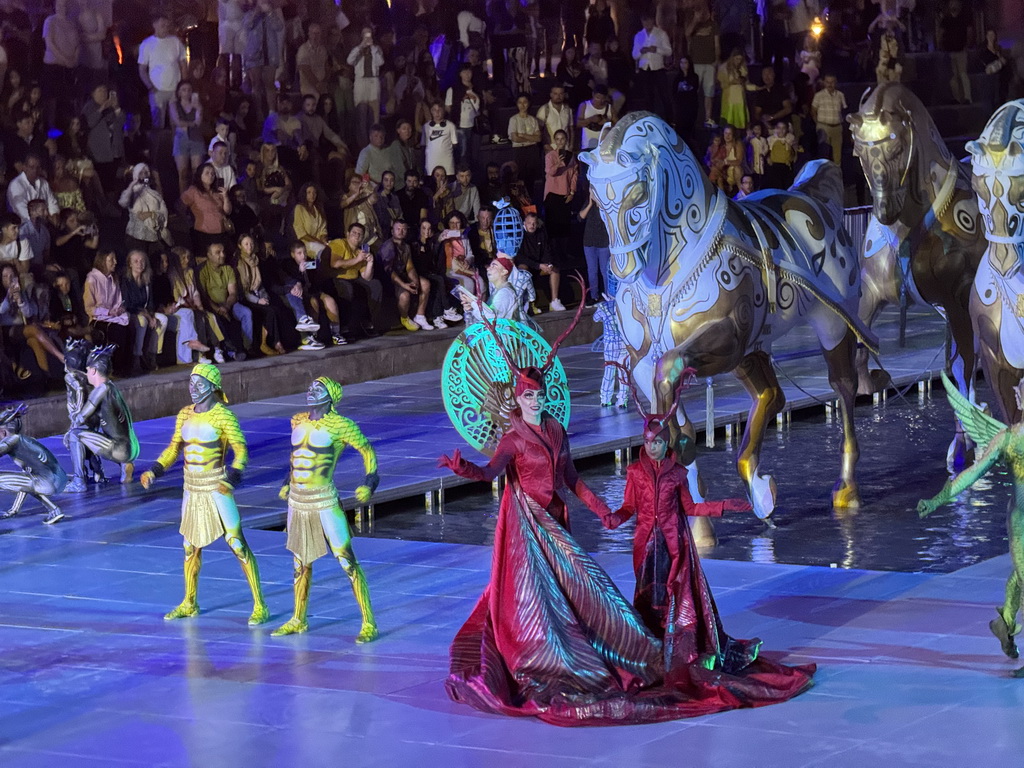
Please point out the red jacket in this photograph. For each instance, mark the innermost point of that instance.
(538, 460)
(659, 495)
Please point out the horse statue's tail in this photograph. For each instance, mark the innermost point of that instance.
(823, 181)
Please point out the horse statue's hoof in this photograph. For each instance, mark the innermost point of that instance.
(763, 494)
(876, 381)
(845, 496)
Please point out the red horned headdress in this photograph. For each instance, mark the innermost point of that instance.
(655, 424)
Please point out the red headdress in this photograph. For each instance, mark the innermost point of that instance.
(655, 424)
(531, 378)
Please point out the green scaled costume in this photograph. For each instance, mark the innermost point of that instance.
(995, 441)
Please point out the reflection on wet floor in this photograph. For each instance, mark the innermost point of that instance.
(903, 445)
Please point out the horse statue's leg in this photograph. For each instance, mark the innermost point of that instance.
(843, 379)
(880, 278)
(961, 364)
(758, 378)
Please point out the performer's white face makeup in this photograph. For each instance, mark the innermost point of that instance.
(199, 389)
(317, 394)
(656, 448)
(531, 402)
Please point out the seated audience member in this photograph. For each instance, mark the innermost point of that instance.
(351, 273)
(388, 206)
(465, 196)
(255, 296)
(413, 199)
(441, 202)
(31, 184)
(139, 303)
(536, 256)
(219, 288)
(358, 208)
(746, 188)
(243, 212)
(481, 238)
(36, 232)
(396, 262)
(66, 315)
(74, 244)
(19, 324)
(183, 316)
(309, 221)
(292, 280)
(459, 257)
(105, 307)
(15, 249)
(428, 259)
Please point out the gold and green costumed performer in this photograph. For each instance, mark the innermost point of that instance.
(315, 518)
(205, 431)
(995, 441)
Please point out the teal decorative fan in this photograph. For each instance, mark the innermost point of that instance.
(478, 387)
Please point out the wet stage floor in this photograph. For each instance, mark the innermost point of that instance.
(90, 674)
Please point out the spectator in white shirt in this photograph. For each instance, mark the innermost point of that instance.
(555, 116)
(366, 59)
(827, 109)
(221, 166)
(13, 248)
(311, 61)
(161, 67)
(463, 101)
(30, 185)
(471, 29)
(60, 59)
(439, 141)
(650, 48)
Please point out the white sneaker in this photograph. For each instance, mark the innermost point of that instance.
(557, 306)
(421, 321)
(339, 340)
(306, 325)
(440, 324)
(451, 316)
(309, 343)
(218, 355)
(205, 360)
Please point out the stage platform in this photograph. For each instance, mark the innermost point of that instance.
(91, 675)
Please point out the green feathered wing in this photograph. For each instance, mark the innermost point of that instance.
(978, 425)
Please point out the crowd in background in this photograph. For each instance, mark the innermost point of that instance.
(232, 178)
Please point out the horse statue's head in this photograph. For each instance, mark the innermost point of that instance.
(652, 195)
(998, 160)
(887, 131)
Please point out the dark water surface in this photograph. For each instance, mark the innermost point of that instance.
(903, 445)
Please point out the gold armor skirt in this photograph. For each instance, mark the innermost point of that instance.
(307, 539)
(205, 511)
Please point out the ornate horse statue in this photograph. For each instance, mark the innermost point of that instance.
(710, 283)
(997, 302)
(923, 242)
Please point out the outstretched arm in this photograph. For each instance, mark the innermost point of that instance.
(503, 454)
(594, 503)
(629, 504)
(968, 477)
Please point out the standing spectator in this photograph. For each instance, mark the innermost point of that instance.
(573, 76)
(561, 173)
(997, 62)
(312, 61)
(801, 15)
(60, 60)
(209, 207)
(732, 76)
(702, 40)
(524, 133)
(651, 47)
(465, 195)
(413, 199)
(439, 140)
(137, 294)
(30, 185)
(366, 59)
(321, 139)
(735, 157)
(757, 152)
(374, 159)
(274, 186)
(555, 116)
(186, 115)
(774, 101)
(219, 159)
(396, 261)
(230, 15)
(827, 110)
(161, 67)
(778, 173)
(263, 28)
(147, 213)
(954, 32)
(463, 100)
(574, 21)
(620, 72)
(104, 120)
(404, 152)
(596, 251)
(592, 116)
(471, 29)
(685, 96)
(600, 24)
(92, 32)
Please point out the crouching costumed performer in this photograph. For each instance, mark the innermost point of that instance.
(113, 437)
(41, 474)
(205, 431)
(552, 636)
(315, 518)
(995, 441)
(672, 595)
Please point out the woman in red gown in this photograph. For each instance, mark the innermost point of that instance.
(552, 636)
